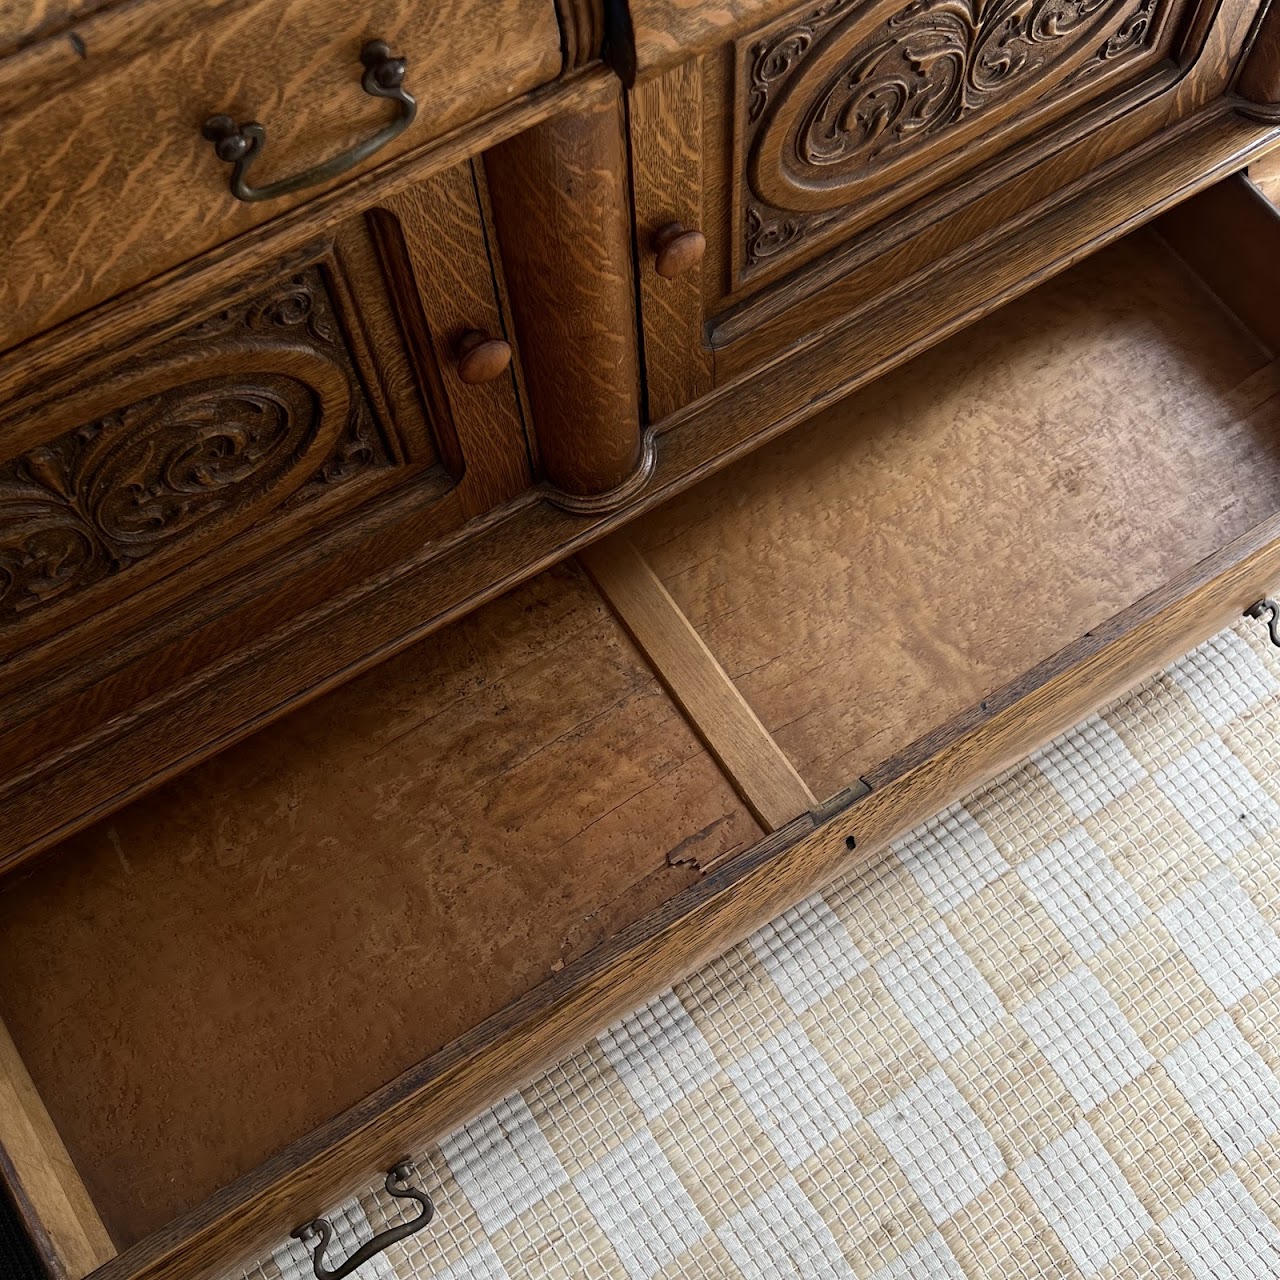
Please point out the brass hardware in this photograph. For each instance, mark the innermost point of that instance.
(323, 1228)
(241, 144)
(1273, 623)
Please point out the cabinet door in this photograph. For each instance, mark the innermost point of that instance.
(830, 152)
(365, 382)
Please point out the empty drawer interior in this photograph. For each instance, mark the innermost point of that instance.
(215, 971)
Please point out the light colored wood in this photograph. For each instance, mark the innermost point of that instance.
(117, 184)
(165, 303)
(1228, 236)
(722, 717)
(666, 158)
(423, 847)
(126, 724)
(711, 915)
(1264, 173)
(561, 207)
(916, 546)
(445, 291)
(668, 30)
(22, 21)
(42, 1175)
(485, 1062)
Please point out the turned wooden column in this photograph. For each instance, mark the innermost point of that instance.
(561, 210)
(1259, 81)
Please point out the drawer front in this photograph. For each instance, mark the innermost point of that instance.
(240, 439)
(104, 125)
(839, 130)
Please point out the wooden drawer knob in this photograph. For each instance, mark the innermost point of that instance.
(481, 358)
(677, 249)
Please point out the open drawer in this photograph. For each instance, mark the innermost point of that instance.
(239, 999)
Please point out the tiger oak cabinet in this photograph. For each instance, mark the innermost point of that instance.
(354, 760)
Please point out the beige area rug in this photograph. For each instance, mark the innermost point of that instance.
(1041, 1038)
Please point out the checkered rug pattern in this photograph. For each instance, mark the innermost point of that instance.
(1039, 1038)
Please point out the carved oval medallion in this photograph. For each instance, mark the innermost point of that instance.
(873, 97)
(162, 479)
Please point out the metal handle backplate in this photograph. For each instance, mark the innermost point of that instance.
(397, 1185)
(241, 144)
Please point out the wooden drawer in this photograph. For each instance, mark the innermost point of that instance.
(442, 875)
(103, 123)
(831, 153)
(235, 443)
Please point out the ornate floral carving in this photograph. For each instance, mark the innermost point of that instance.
(775, 59)
(769, 235)
(202, 454)
(842, 94)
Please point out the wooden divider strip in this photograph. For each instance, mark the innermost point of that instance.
(46, 1182)
(764, 777)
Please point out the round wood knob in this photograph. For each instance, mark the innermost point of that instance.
(481, 358)
(677, 249)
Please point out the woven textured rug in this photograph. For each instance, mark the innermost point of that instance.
(1039, 1038)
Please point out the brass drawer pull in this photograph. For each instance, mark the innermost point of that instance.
(242, 144)
(322, 1227)
(1271, 611)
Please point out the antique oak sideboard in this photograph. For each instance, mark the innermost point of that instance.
(355, 761)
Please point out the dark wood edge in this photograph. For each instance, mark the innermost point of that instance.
(1264, 112)
(1077, 654)
(29, 1219)
(36, 368)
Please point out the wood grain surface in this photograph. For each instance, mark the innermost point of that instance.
(40, 1176)
(117, 183)
(446, 291)
(1259, 80)
(721, 716)
(561, 1015)
(24, 21)
(778, 269)
(807, 166)
(493, 1057)
(917, 546)
(90, 737)
(665, 114)
(561, 205)
(1227, 235)
(401, 860)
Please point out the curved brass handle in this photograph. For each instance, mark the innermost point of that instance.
(324, 1229)
(242, 144)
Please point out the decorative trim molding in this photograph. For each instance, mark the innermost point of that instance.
(595, 504)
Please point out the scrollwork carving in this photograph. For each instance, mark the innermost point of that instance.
(849, 94)
(204, 454)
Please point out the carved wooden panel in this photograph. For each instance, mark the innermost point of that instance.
(847, 108)
(251, 412)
